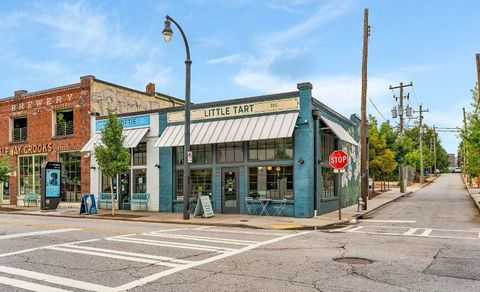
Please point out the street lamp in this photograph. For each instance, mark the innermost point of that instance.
(167, 36)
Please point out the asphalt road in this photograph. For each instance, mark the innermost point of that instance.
(426, 241)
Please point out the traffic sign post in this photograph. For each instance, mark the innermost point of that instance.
(338, 160)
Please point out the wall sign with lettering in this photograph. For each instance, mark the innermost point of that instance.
(26, 149)
(127, 122)
(235, 110)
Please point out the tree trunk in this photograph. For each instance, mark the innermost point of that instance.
(113, 198)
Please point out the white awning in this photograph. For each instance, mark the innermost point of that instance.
(339, 131)
(233, 130)
(132, 138)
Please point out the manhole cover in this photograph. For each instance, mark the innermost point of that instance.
(353, 261)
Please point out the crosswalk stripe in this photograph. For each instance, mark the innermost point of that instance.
(245, 232)
(29, 285)
(410, 231)
(202, 238)
(426, 232)
(134, 254)
(168, 244)
(118, 257)
(33, 233)
(355, 229)
(55, 279)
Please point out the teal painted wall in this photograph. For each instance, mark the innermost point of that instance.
(303, 151)
(166, 171)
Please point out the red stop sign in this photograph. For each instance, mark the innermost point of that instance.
(338, 159)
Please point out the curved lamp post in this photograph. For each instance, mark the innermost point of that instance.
(167, 36)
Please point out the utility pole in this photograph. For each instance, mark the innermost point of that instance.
(478, 83)
(400, 113)
(363, 123)
(434, 149)
(465, 145)
(420, 117)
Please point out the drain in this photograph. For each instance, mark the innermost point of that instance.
(353, 261)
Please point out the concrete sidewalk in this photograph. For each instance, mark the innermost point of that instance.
(231, 220)
(474, 193)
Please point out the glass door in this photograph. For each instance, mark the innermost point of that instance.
(5, 191)
(230, 190)
(124, 191)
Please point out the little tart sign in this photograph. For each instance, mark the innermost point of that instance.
(235, 110)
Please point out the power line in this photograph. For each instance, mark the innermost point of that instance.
(377, 109)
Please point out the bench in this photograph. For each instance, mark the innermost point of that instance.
(105, 198)
(138, 199)
(30, 198)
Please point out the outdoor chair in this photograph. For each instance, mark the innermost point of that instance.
(250, 206)
(279, 208)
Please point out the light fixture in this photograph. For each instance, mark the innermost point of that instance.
(301, 161)
(260, 167)
(93, 167)
(167, 31)
(157, 165)
(269, 168)
(278, 168)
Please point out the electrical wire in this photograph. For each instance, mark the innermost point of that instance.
(377, 110)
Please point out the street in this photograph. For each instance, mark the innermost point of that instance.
(425, 241)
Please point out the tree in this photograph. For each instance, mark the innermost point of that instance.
(112, 157)
(4, 168)
(471, 138)
(382, 159)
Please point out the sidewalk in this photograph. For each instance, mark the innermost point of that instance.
(230, 220)
(474, 193)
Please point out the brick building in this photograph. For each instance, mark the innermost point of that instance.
(54, 124)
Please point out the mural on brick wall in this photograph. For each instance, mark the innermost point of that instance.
(351, 178)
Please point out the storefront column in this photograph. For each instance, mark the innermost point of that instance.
(166, 188)
(304, 158)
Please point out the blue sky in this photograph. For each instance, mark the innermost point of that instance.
(244, 48)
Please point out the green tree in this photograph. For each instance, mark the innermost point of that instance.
(382, 159)
(471, 138)
(112, 157)
(5, 168)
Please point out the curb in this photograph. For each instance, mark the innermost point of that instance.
(240, 225)
(475, 198)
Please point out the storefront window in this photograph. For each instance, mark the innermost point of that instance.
(140, 154)
(230, 152)
(29, 176)
(71, 176)
(271, 149)
(272, 182)
(139, 180)
(201, 183)
(106, 184)
(329, 182)
(201, 154)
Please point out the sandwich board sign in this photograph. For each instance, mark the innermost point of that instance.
(204, 207)
(88, 206)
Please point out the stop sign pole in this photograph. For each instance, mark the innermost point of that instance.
(338, 160)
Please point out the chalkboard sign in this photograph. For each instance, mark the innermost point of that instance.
(88, 206)
(204, 207)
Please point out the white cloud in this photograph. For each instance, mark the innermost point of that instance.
(234, 58)
(325, 13)
(208, 42)
(82, 28)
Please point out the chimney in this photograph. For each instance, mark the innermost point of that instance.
(150, 89)
(87, 81)
(20, 93)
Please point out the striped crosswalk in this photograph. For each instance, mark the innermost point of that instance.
(158, 248)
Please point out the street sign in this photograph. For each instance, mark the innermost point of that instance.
(338, 159)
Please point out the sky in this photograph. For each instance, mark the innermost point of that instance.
(242, 48)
